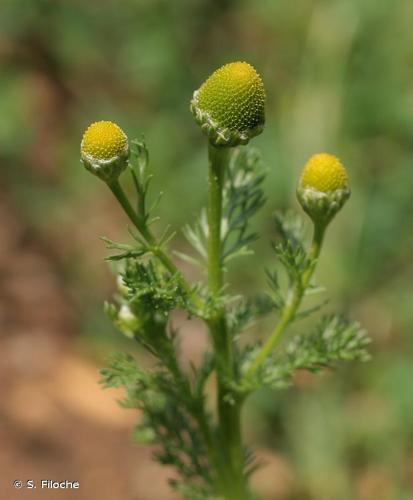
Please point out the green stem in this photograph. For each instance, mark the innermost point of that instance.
(231, 478)
(218, 159)
(142, 227)
(293, 304)
(140, 224)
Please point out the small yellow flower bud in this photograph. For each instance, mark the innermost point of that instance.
(323, 188)
(324, 172)
(105, 150)
(230, 105)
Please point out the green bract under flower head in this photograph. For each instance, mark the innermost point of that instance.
(105, 150)
(230, 105)
(323, 188)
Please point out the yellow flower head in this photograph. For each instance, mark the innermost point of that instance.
(105, 150)
(325, 173)
(323, 188)
(104, 140)
(230, 105)
(234, 96)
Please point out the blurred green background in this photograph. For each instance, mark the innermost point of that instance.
(339, 78)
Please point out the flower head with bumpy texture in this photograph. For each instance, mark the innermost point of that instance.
(324, 172)
(105, 150)
(230, 105)
(323, 188)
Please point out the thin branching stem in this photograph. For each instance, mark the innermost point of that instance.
(141, 225)
(294, 302)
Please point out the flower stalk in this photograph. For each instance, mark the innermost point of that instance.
(153, 245)
(292, 306)
(231, 476)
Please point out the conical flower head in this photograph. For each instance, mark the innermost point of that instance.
(230, 105)
(324, 172)
(323, 188)
(105, 150)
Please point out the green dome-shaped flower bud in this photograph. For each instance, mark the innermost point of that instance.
(323, 188)
(105, 150)
(230, 105)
